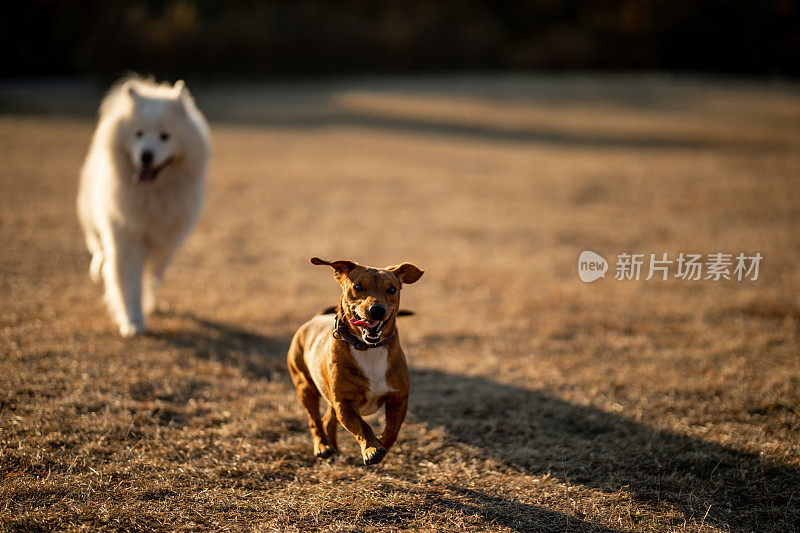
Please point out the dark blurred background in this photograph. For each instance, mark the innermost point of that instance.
(216, 38)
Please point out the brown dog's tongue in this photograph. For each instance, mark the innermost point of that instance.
(364, 323)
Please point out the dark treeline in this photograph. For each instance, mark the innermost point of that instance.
(309, 37)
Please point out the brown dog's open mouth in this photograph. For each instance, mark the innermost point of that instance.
(150, 173)
(371, 330)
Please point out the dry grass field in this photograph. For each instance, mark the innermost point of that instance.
(538, 403)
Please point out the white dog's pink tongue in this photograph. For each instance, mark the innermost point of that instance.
(146, 175)
(364, 323)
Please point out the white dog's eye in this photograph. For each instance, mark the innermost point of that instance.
(139, 134)
(164, 135)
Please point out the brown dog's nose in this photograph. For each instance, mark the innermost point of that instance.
(377, 312)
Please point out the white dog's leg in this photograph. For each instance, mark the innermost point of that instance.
(96, 266)
(122, 271)
(154, 269)
(96, 249)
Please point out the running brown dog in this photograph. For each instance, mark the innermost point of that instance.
(353, 359)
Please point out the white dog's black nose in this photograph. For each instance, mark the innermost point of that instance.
(377, 312)
(147, 157)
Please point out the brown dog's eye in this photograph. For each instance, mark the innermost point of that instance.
(391, 290)
(358, 287)
(164, 135)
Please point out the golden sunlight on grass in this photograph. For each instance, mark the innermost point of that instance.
(538, 402)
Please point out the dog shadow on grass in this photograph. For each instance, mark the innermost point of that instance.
(258, 356)
(539, 433)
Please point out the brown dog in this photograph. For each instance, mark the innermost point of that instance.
(353, 359)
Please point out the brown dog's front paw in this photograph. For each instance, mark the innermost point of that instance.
(323, 451)
(373, 455)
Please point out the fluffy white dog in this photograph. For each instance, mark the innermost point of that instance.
(141, 191)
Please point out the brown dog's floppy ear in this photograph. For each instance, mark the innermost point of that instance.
(340, 268)
(406, 273)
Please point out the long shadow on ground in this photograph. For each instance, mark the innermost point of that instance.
(257, 355)
(539, 433)
(317, 107)
(493, 511)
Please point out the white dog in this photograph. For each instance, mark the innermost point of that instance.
(141, 191)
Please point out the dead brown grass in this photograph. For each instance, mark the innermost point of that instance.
(538, 402)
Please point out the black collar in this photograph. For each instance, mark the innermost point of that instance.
(341, 332)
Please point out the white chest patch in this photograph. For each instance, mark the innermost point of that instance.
(373, 363)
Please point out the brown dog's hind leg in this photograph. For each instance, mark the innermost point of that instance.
(309, 397)
(395, 414)
(372, 451)
(331, 424)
